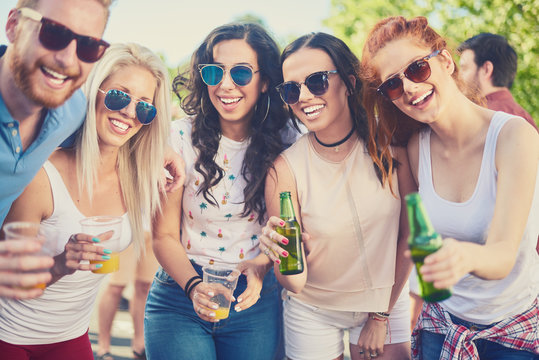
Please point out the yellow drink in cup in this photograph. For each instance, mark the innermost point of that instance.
(109, 266)
(222, 281)
(222, 313)
(28, 231)
(109, 230)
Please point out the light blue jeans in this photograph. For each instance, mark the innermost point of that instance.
(431, 345)
(172, 329)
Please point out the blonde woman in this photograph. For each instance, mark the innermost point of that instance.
(114, 169)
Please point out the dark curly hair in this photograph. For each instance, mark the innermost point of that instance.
(264, 131)
(347, 65)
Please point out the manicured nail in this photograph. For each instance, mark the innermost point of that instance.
(240, 299)
(285, 241)
(281, 223)
(285, 253)
(278, 261)
(212, 314)
(96, 240)
(237, 308)
(107, 251)
(105, 257)
(210, 293)
(215, 306)
(98, 266)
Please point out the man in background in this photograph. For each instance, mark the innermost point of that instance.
(489, 63)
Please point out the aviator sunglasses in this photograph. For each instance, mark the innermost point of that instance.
(418, 71)
(212, 74)
(317, 83)
(55, 36)
(117, 100)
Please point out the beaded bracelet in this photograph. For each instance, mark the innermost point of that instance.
(188, 283)
(382, 314)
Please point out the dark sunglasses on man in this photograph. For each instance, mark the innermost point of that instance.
(55, 36)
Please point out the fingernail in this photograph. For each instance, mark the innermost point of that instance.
(278, 261)
(96, 240)
(285, 241)
(105, 257)
(281, 223)
(97, 266)
(212, 314)
(107, 251)
(210, 293)
(233, 299)
(285, 253)
(240, 299)
(237, 308)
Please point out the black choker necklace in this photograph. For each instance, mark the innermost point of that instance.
(336, 144)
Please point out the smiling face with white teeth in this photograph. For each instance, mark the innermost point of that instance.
(235, 104)
(423, 101)
(115, 128)
(328, 115)
(48, 78)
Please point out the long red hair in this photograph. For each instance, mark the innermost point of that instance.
(387, 124)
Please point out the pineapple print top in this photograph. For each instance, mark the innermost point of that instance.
(215, 234)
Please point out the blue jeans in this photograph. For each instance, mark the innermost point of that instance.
(172, 329)
(431, 345)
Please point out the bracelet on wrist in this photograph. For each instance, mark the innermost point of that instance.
(189, 282)
(193, 285)
(382, 314)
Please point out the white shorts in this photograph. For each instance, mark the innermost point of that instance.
(312, 333)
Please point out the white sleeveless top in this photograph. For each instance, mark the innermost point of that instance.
(63, 311)
(353, 222)
(474, 299)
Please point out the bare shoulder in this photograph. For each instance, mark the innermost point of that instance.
(63, 160)
(35, 203)
(517, 135)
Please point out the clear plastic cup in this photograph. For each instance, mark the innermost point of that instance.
(222, 281)
(97, 226)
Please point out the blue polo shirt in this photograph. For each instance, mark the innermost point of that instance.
(18, 167)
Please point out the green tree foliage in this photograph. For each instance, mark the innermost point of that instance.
(456, 20)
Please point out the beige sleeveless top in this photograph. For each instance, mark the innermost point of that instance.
(353, 223)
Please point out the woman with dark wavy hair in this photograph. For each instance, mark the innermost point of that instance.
(233, 133)
(353, 273)
(477, 172)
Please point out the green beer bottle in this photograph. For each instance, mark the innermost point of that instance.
(423, 241)
(293, 263)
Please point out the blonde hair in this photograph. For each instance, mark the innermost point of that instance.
(140, 160)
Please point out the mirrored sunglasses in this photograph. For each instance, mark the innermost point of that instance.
(116, 100)
(418, 71)
(212, 74)
(317, 83)
(55, 36)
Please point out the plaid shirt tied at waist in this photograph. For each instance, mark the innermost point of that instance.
(518, 332)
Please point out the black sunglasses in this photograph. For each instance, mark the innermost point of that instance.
(212, 74)
(117, 100)
(55, 36)
(418, 71)
(317, 83)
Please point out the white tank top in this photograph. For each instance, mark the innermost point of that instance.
(63, 311)
(474, 299)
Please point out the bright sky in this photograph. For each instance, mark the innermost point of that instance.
(176, 28)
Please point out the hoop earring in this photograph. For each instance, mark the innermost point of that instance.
(267, 110)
